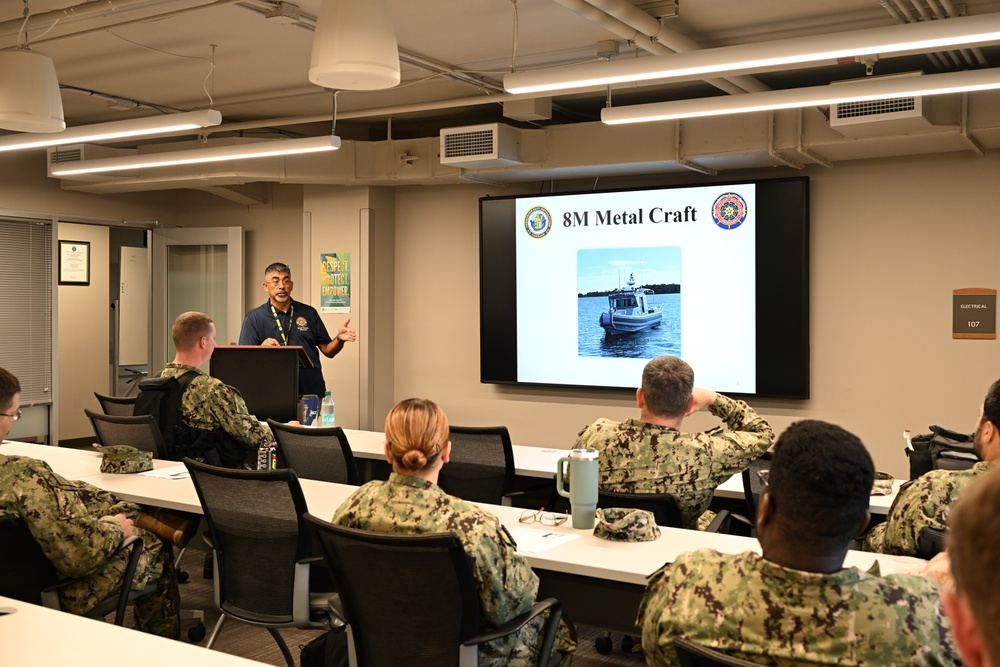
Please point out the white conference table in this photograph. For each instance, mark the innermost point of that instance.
(599, 582)
(542, 461)
(36, 635)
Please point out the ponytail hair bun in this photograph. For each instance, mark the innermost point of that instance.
(416, 430)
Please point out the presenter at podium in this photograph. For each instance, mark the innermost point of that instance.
(283, 321)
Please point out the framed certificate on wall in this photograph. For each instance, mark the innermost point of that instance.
(74, 262)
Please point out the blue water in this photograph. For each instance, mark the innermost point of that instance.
(664, 339)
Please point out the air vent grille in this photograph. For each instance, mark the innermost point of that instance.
(66, 154)
(876, 107)
(480, 146)
(466, 144)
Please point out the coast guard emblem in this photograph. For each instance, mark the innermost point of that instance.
(301, 323)
(729, 211)
(537, 222)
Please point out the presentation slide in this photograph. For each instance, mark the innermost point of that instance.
(606, 281)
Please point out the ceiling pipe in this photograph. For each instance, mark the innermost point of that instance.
(732, 85)
(899, 18)
(951, 12)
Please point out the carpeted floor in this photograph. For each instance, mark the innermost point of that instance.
(256, 644)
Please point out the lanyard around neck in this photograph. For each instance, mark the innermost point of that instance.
(281, 329)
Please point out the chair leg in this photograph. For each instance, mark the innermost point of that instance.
(289, 660)
(215, 631)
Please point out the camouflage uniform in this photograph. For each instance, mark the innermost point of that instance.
(922, 502)
(209, 403)
(637, 457)
(74, 524)
(752, 608)
(507, 586)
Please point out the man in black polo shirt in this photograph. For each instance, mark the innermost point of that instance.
(284, 321)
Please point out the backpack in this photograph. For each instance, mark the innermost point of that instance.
(941, 449)
(160, 397)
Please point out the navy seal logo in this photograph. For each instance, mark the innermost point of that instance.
(729, 210)
(537, 222)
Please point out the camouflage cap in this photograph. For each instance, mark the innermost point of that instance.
(125, 459)
(883, 484)
(624, 524)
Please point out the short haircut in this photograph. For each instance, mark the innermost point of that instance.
(820, 483)
(974, 547)
(277, 267)
(666, 386)
(416, 431)
(188, 329)
(9, 386)
(991, 404)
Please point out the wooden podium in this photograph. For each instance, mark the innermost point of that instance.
(267, 377)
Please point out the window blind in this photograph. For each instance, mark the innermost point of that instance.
(26, 270)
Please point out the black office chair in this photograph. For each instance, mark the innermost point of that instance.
(930, 542)
(316, 453)
(435, 594)
(120, 406)
(26, 574)
(690, 654)
(754, 485)
(481, 468)
(138, 431)
(261, 549)
(662, 505)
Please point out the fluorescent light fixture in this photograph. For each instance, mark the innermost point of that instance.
(199, 155)
(766, 56)
(850, 91)
(119, 129)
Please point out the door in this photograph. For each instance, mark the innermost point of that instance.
(196, 269)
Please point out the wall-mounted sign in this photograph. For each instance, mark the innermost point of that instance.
(335, 282)
(74, 262)
(974, 313)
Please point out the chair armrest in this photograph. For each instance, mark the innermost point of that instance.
(721, 521)
(552, 605)
(50, 597)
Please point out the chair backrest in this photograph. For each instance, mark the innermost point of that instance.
(481, 468)
(930, 542)
(24, 569)
(753, 485)
(407, 599)
(316, 453)
(139, 431)
(662, 505)
(690, 654)
(120, 406)
(254, 519)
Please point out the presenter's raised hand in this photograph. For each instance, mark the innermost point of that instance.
(346, 333)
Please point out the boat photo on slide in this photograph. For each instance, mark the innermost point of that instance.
(629, 302)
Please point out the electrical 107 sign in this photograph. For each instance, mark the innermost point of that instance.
(974, 313)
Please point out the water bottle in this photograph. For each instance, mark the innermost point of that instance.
(583, 472)
(327, 411)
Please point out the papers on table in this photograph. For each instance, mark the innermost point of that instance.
(537, 540)
(173, 472)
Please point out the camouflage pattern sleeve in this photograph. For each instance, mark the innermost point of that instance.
(210, 403)
(746, 606)
(749, 436)
(921, 502)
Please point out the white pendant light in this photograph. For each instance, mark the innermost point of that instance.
(29, 93)
(354, 47)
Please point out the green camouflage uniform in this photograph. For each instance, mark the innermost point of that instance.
(749, 607)
(210, 403)
(922, 502)
(637, 457)
(507, 586)
(74, 524)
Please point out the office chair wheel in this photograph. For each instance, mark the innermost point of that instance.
(628, 642)
(603, 645)
(196, 633)
(182, 576)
